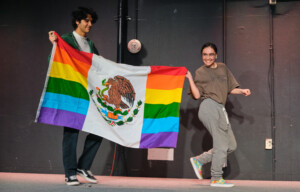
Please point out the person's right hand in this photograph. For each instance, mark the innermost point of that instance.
(189, 75)
(52, 37)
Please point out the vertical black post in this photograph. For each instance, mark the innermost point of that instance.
(136, 18)
(122, 11)
(120, 168)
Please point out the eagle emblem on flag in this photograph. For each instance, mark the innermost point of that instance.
(115, 100)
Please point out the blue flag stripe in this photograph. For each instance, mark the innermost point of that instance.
(167, 124)
(65, 102)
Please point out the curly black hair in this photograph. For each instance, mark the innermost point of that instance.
(81, 13)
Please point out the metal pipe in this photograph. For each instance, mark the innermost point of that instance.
(121, 29)
(224, 31)
(272, 91)
(120, 164)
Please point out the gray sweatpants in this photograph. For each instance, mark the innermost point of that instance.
(214, 117)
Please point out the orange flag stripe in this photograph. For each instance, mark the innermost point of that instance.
(62, 56)
(165, 82)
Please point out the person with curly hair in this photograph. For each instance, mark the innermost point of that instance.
(82, 22)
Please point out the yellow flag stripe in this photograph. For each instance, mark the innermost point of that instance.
(66, 72)
(157, 96)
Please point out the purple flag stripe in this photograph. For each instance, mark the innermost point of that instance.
(162, 139)
(61, 118)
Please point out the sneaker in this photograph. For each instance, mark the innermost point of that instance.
(72, 180)
(87, 175)
(197, 166)
(220, 183)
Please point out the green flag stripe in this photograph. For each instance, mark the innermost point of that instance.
(160, 111)
(65, 87)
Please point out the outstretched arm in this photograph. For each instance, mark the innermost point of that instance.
(245, 92)
(193, 87)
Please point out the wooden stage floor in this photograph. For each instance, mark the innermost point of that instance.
(27, 182)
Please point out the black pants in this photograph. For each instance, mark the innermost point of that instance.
(69, 145)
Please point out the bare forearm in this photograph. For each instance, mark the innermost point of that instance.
(194, 90)
(245, 92)
(193, 87)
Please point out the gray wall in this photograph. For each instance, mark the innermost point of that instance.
(172, 33)
(27, 146)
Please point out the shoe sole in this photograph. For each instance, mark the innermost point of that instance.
(86, 178)
(221, 185)
(72, 183)
(195, 169)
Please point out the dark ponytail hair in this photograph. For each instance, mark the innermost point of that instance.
(211, 45)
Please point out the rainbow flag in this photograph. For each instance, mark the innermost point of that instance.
(134, 106)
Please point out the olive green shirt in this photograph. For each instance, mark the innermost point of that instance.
(215, 83)
(70, 39)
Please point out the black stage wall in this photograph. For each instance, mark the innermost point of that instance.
(172, 33)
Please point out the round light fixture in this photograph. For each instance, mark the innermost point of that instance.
(134, 46)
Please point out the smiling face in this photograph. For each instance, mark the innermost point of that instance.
(84, 26)
(209, 57)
